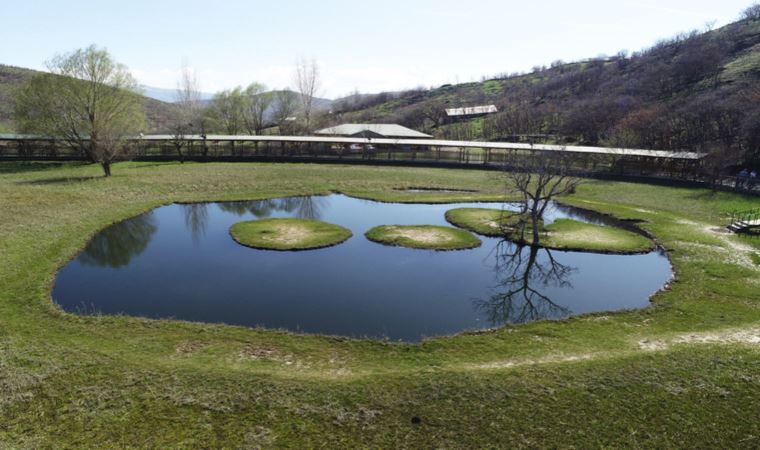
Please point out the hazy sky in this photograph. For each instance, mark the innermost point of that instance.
(370, 46)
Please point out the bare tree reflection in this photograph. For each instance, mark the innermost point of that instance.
(305, 207)
(196, 219)
(237, 208)
(301, 207)
(523, 271)
(118, 244)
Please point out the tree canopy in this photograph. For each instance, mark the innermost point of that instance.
(86, 99)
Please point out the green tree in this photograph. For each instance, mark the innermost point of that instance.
(227, 112)
(88, 100)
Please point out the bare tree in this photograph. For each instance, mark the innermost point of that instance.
(88, 100)
(188, 110)
(257, 103)
(434, 111)
(308, 83)
(718, 162)
(284, 106)
(539, 177)
(752, 13)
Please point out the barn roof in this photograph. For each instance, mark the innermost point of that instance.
(387, 130)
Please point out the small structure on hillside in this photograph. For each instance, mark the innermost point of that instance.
(378, 131)
(472, 112)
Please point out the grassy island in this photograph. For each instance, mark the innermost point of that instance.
(428, 237)
(562, 234)
(288, 234)
(483, 221)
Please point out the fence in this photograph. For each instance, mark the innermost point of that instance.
(584, 160)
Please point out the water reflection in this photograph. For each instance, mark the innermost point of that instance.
(301, 207)
(524, 272)
(118, 244)
(196, 220)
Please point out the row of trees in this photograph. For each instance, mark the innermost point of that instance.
(245, 110)
(94, 104)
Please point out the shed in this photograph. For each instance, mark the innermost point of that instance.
(470, 112)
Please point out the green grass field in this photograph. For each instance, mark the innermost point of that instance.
(683, 373)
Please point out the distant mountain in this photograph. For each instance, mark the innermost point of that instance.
(11, 78)
(168, 95)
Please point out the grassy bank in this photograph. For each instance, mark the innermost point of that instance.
(681, 373)
(567, 234)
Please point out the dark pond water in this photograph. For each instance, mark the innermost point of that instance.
(179, 261)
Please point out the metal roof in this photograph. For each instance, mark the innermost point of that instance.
(472, 111)
(388, 130)
(684, 155)
(26, 137)
(448, 144)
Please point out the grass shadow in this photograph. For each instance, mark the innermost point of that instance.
(58, 180)
(9, 167)
(153, 164)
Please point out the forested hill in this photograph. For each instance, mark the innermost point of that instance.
(697, 90)
(11, 78)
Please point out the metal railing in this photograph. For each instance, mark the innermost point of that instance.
(749, 217)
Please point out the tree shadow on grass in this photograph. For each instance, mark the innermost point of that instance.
(154, 164)
(704, 195)
(34, 166)
(715, 195)
(58, 180)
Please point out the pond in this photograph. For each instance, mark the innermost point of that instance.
(179, 261)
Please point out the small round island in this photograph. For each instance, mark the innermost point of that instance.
(427, 237)
(288, 234)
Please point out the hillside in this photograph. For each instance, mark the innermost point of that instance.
(697, 90)
(11, 78)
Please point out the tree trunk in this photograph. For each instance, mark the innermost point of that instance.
(535, 215)
(106, 168)
(536, 237)
(179, 152)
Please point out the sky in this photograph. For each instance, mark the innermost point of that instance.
(369, 46)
